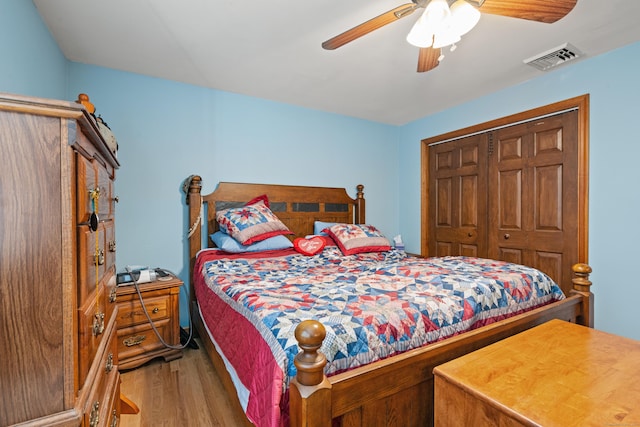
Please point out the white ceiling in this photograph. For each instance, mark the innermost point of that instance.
(272, 49)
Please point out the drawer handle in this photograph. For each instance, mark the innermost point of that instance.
(137, 340)
(114, 419)
(155, 310)
(112, 246)
(109, 366)
(98, 257)
(98, 324)
(94, 417)
(113, 295)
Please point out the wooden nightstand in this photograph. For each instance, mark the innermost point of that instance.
(137, 342)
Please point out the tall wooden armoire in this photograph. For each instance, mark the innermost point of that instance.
(58, 357)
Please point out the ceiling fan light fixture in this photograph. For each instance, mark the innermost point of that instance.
(445, 38)
(421, 34)
(437, 12)
(434, 20)
(463, 17)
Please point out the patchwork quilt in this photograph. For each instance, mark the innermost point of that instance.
(373, 306)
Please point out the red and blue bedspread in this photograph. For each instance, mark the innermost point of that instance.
(373, 305)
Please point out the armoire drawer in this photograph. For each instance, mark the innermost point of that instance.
(92, 326)
(88, 254)
(93, 176)
(103, 408)
(105, 386)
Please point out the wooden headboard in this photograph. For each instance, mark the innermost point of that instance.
(298, 207)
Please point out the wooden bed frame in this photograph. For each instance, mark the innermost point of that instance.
(394, 391)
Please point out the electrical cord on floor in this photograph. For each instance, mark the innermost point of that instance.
(188, 339)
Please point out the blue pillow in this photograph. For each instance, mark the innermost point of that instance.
(318, 226)
(229, 244)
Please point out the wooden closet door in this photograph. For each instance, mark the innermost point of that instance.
(458, 197)
(534, 194)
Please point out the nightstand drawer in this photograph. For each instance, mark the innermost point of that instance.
(131, 312)
(142, 339)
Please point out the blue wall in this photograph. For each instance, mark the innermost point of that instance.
(31, 62)
(168, 130)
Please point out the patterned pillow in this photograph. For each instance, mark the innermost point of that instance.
(251, 223)
(357, 238)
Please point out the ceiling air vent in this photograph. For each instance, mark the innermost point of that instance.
(554, 57)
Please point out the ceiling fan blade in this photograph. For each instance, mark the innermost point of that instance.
(428, 59)
(369, 26)
(547, 11)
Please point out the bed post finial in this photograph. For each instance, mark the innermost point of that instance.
(310, 391)
(309, 362)
(192, 185)
(582, 285)
(360, 205)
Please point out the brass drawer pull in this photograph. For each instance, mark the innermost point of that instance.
(112, 246)
(98, 257)
(137, 340)
(114, 419)
(94, 417)
(98, 324)
(113, 295)
(155, 310)
(109, 366)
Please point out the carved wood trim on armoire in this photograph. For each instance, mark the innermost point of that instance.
(59, 362)
(514, 189)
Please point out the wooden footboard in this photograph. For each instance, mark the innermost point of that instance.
(399, 390)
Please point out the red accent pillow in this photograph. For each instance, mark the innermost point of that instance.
(310, 246)
(357, 238)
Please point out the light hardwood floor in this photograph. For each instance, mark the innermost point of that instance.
(184, 392)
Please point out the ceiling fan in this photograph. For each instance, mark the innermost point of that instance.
(444, 21)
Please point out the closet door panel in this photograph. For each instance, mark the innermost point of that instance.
(514, 255)
(549, 262)
(469, 201)
(548, 187)
(509, 189)
(458, 179)
(444, 202)
(534, 194)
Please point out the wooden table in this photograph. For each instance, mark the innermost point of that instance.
(556, 374)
